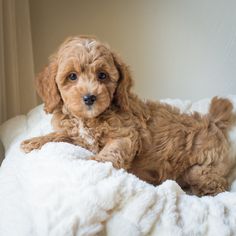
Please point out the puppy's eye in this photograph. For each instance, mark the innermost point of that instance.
(102, 75)
(72, 76)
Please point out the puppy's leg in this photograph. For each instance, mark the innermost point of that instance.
(118, 151)
(209, 174)
(37, 142)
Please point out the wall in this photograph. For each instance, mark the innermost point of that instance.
(177, 49)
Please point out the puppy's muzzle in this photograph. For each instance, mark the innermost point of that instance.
(89, 99)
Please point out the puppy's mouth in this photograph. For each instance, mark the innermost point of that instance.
(93, 111)
(89, 107)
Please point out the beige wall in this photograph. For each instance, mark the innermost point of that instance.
(176, 48)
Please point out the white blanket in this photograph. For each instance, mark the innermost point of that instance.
(55, 191)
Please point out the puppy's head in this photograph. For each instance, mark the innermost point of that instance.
(86, 77)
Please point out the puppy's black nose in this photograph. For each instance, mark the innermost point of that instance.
(89, 99)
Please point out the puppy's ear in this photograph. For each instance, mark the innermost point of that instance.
(47, 88)
(121, 96)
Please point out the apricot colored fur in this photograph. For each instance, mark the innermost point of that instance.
(152, 140)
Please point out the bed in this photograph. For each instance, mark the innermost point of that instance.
(55, 191)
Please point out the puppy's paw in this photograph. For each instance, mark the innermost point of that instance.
(96, 158)
(99, 159)
(30, 144)
(103, 159)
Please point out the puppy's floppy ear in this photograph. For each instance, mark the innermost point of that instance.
(121, 96)
(47, 88)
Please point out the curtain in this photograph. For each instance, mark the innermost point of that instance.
(17, 93)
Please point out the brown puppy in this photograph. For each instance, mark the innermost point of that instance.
(86, 87)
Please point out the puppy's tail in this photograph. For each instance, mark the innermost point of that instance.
(221, 112)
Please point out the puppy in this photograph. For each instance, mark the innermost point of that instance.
(87, 88)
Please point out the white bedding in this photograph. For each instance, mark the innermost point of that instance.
(56, 191)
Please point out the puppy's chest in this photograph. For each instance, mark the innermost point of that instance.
(85, 132)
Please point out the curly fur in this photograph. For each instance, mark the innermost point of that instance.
(152, 140)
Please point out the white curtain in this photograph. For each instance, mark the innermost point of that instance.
(17, 93)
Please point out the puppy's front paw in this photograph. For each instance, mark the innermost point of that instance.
(102, 159)
(30, 144)
(95, 158)
(98, 159)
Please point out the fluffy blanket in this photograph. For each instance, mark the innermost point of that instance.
(55, 191)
